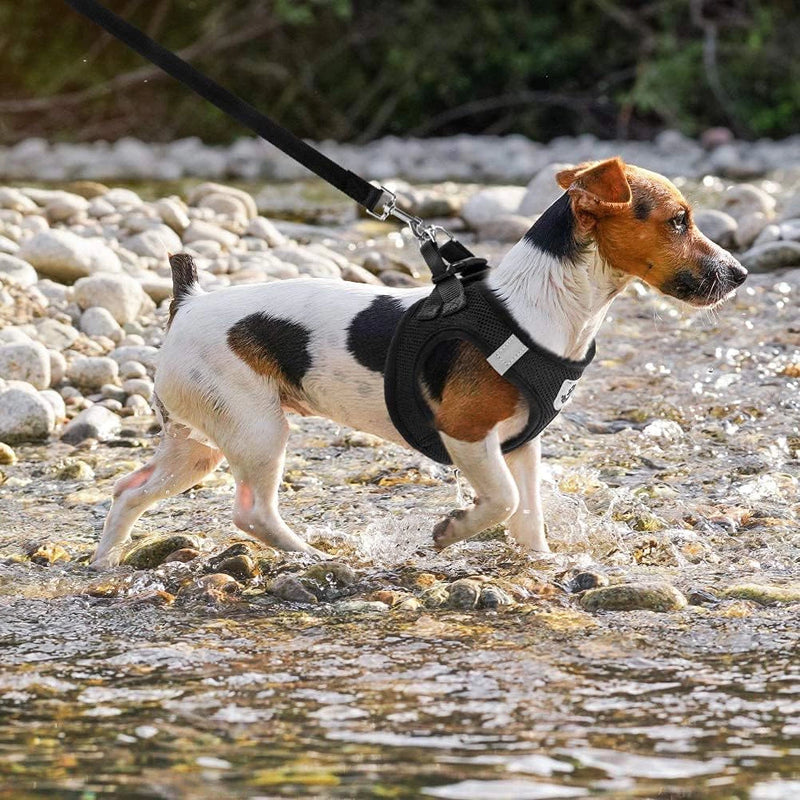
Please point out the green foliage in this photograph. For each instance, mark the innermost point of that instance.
(353, 71)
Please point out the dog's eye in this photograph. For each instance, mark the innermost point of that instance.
(678, 222)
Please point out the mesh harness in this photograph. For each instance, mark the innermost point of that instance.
(461, 306)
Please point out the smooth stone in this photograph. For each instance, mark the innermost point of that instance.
(56, 335)
(7, 454)
(764, 594)
(49, 553)
(744, 198)
(542, 191)
(241, 567)
(8, 246)
(395, 278)
(288, 587)
(15, 200)
(64, 206)
(262, 228)
(184, 555)
(95, 422)
(328, 580)
(208, 188)
(131, 369)
(25, 416)
(73, 469)
(88, 189)
(199, 230)
(717, 225)
(308, 262)
(119, 294)
(360, 607)
(152, 551)
(771, 256)
(58, 367)
(634, 597)
(584, 581)
(98, 321)
(26, 361)
(750, 227)
(210, 588)
(138, 406)
(495, 201)
(143, 353)
(493, 597)
(357, 274)
(66, 257)
(157, 242)
(139, 386)
(173, 213)
(505, 228)
(464, 594)
(56, 402)
(16, 271)
(92, 372)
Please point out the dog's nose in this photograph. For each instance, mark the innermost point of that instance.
(737, 273)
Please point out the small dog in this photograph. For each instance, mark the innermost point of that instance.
(235, 360)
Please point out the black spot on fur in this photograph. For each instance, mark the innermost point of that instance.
(370, 332)
(642, 206)
(437, 366)
(684, 285)
(554, 231)
(273, 339)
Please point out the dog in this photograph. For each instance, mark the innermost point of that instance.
(235, 360)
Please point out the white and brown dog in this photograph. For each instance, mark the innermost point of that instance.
(235, 360)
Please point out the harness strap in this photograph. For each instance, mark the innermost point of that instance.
(352, 185)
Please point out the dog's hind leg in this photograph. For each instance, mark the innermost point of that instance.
(256, 455)
(178, 464)
(496, 492)
(526, 526)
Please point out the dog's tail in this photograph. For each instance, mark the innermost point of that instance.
(184, 281)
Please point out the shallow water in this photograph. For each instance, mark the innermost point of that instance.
(677, 461)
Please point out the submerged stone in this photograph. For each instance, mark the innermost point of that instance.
(213, 587)
(583, 581)
(49, 553)
(288, 587)
(360, 606)
(493, 597)
(153, 551)
(763, 594)
(328, 580)
(241, 567)
(634, 597)
(464, 594)
(184, 555)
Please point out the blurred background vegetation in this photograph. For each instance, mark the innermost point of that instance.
(355, 70)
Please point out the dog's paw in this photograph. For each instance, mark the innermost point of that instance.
(444, 533)
(104, 562)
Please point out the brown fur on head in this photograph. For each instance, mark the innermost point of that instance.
(643, 226)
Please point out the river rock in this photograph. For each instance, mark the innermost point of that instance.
(200, 230)
(143, 353)
(65, 205)
(328, 580)
(241, 567)
(504, 228)
(308, 262)
(56, 335)
(98, 321)
(749, 227)
(764, 594)
(173, 213)
(25, 361)
(486, 204)
(65, 257)
(15, 200)
(156, 242)
(262, 228)
(213, 588)
(141, 386)
(744, 198)
(463, 594)
(8, 246)
(119, 294)
(493, 597)
(200, 192)
(7, 454)
(56, 402)
(288, 587)
(152, 551)
(542, 191)
(633, 597)
(360, 607)
(25, 416)
(770, 256)
(91, 372)
(717, 225)
(58, 367)
(95, 422)
(16, 271)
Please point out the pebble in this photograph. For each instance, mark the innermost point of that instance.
(542, 190)
(120, 295)
(64, 205)
(262, 228)
(157, 242)
(289, 587)
(764, 594)
(241, 567)
(26, 361)
(64, 256)
(717, 225)
(138, 406)
(587, 580)
(198, 230)
(56, 335)
(98, 321)
(95, 422)
(140, 386)
(25, 416)
(74, 469)
(131, 369)
(184, 555)
(493, 597)
(57, 404)
(744, 198)
(152, 551)
(634, 596)
(463, 594)
(328, 580)
(216, 587)
(771, 256)
(495, 201)
(92, 372)
(7, 454)
(16, 271)
(360, 607)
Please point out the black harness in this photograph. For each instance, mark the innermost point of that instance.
(461, 306)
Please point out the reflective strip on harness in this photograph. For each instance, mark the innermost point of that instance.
(507, 354)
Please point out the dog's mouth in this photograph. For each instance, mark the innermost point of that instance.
(715, 284)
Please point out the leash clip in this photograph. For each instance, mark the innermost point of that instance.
(422, 231)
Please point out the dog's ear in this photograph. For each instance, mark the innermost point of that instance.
(597, 189)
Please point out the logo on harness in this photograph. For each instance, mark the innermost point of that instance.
(564, 394)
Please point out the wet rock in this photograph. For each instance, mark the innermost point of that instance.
(701, 597)
(49, 553)
(25, 361)
(744, 198)
(493, 597)
(464, 594)
(25, 416)
(288, 587)
(92, 372)
(65, 257)
(583, 581)
(16, 271)
(764, 594)
(717, 225)
(329, 579)
(74, 470)
(772, 255)
(750, 227)
(633, 597)
(242, 568)
(360, 607)
(153, 551)
(496, 201)
(121, 295)
(184, 555)
(216, 587)
(7, 454)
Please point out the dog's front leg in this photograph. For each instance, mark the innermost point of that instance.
(496, 492)
(527, 524)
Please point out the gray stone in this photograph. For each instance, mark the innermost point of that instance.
(288, 587)
(790, 229)
(98, 321)
(56, 335)
(157, 242)
(56, 402)
(16, 271)
(463, 594)
(140, 386)
(542, 191)
(91, 372)
(357, 274)
(744, 198)
(770, 256)
(717, 225)
(58, 367)
(95, 422)
(505, 228)
(65, 257)
(120, 294)
(151, 552)
(25, 361)
(25, 416)
(486, 204)
(634, 597)
(328, 580)
(750, 226)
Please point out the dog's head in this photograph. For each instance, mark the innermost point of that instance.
(643, 226)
